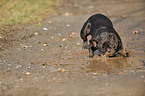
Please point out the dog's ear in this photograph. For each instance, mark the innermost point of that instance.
(88, 28)
(94, 43)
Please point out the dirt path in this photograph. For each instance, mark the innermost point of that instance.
(49, 61)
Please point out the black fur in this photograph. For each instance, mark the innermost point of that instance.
(104, 37)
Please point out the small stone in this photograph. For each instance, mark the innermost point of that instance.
(67, 14)
(50, 22)
(104, 75)
(71, 36)
(63, 70)
(91, 6)
(21, 79)
(73, 33)
(124, 16)
(9, 64)
(45, 28)
(95, 73)
(28, 67)
(106, 84)
(142, 76)
(78, 43)
(68, 25)
(36, 33)
(19, 66)
(28, 73)
(120, 72)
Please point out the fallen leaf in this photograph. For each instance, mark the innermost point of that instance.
(45, 44)
(95, 73)
(91, 6)
(67, 14)
(26, 46)
(139, 67)
(73, 33)
(135, 32)
(71, 36)
(124, 16)
(120, 72)
(63, 70)
(63, 39)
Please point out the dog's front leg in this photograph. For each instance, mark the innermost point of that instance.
(91, 52)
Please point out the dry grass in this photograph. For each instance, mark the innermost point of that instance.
(24, 11)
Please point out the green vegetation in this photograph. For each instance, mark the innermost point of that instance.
(14, 12)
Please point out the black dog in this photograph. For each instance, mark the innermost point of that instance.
(104, 39)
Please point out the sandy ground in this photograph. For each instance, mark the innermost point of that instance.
(49, 61)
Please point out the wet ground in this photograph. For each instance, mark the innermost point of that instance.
(48, 60)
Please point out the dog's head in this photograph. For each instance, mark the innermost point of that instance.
(94, 44)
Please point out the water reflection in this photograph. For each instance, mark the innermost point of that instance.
(109, 65)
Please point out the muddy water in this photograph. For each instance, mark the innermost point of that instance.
(49, 61)
(109, 65)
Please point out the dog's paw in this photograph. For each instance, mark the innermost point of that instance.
(90, 56)
(85, 47)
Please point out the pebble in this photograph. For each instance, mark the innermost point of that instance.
(67, 14)
(45, 28)
(9, 64)
(28, 73)
(21, 79)
(91, 6)
(50, 22)
(42, 49)
(68, 25)
(124, 16)
(73, 33)
(142, 76)
(36, 33)
(19, 66)
(78, 43)
(106, 84)
(28, 67)
(95, 73)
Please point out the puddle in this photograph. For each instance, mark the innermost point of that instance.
(116, 64)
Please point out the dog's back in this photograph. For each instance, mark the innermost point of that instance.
(99, 19)
(94, 21)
